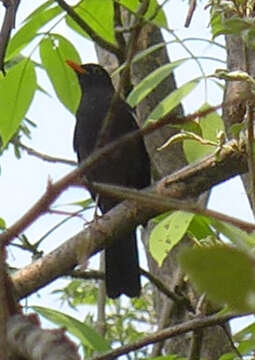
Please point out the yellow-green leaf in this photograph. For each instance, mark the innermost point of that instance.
(150, 82)
(172, 100)
(17, 90)
(54, 52)
(224, 273)
(168, 233)
(210, 126)
(99, 15)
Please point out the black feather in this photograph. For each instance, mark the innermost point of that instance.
(128, 165)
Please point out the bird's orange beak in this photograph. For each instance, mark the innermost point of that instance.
(76, 67)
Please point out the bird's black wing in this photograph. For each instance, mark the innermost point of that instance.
(128, 165)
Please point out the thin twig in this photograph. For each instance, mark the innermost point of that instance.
(192, 8)
(85, 26)
(7, 26)
(168, 333)
(45, 157)
(162, 287)
(100, 234)
(54, 190)
(101, 300)
(227, 332)
(162, 204)
(87, 275)
(124, 81)
(99, 275)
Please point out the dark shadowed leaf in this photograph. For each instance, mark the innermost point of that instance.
(200, 227)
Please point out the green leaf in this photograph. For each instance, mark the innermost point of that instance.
(17, 90)
(226, 274)
(29, 30)
(217, 27)
(99, 15)
(171, 101)
(200, 227)
(236, 25)
(153, 9)
(140, 55)
(168, 233)
(190, 126)
(236, 129)
(39, 9)
(228, 356)
(210, 125)
(234, 234)
(150, 82)
(87, 335)
(54, 51)
(248, 37)
(75, 27)
(246, 339)
(84, 204)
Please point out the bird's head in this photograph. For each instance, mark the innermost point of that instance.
(91, 75)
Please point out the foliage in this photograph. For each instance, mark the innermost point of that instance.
(225, 273)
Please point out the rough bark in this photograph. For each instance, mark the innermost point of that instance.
(238, 93)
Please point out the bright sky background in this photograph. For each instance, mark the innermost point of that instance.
(23, 181)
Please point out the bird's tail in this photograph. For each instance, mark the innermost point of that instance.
(122, 267)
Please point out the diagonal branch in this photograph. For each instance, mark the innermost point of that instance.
(120, 219)
(54, 190)
(8, 24)
(100, 41)
(176, 330)
(42, 156)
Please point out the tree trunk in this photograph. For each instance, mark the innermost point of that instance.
(212, 342)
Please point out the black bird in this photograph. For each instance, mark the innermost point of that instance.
(128, 165)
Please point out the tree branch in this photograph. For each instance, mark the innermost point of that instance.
(160, 204)
(26, 338)
(100, 41)
(8, 24)
(168, 333)
(122, 218)
(181, 300)
(54, 190)
(45, 157)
